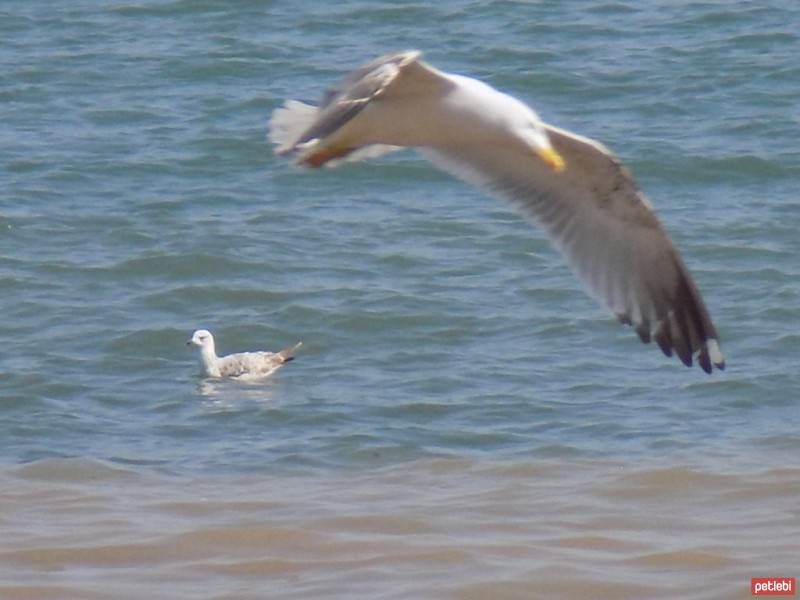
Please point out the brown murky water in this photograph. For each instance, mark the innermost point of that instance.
(435, 529)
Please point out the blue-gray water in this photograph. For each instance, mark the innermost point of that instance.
(442, 335)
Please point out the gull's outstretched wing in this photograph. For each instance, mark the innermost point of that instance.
(344, 101)
(320, 135)
(596, 216)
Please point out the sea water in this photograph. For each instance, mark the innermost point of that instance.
(462, 421)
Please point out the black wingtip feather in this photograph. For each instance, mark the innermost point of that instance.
(680, 338)
(704, 360)
(663, 338)
(643, 331)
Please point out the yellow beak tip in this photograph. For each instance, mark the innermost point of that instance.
(553, 159)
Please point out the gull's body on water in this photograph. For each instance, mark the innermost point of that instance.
(242, 365)
(587, 202)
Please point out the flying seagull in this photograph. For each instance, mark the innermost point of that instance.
(587, 202)
(242, 366)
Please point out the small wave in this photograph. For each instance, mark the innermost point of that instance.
(78, 470)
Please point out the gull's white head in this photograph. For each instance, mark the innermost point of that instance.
(202, 338)
(479, 105)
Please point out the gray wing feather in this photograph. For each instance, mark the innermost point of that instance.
(253, 365)
(596, 216)
(292, 119)
(249, 364)
(234, 365)
(344, 101)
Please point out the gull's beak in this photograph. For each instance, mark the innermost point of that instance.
(189, 343)
(551, 158)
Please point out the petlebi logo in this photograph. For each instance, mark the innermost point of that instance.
(772, 586)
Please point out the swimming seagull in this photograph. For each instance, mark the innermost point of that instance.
(587, 202)
(243, 365)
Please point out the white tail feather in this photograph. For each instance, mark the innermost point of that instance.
(289, 122)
